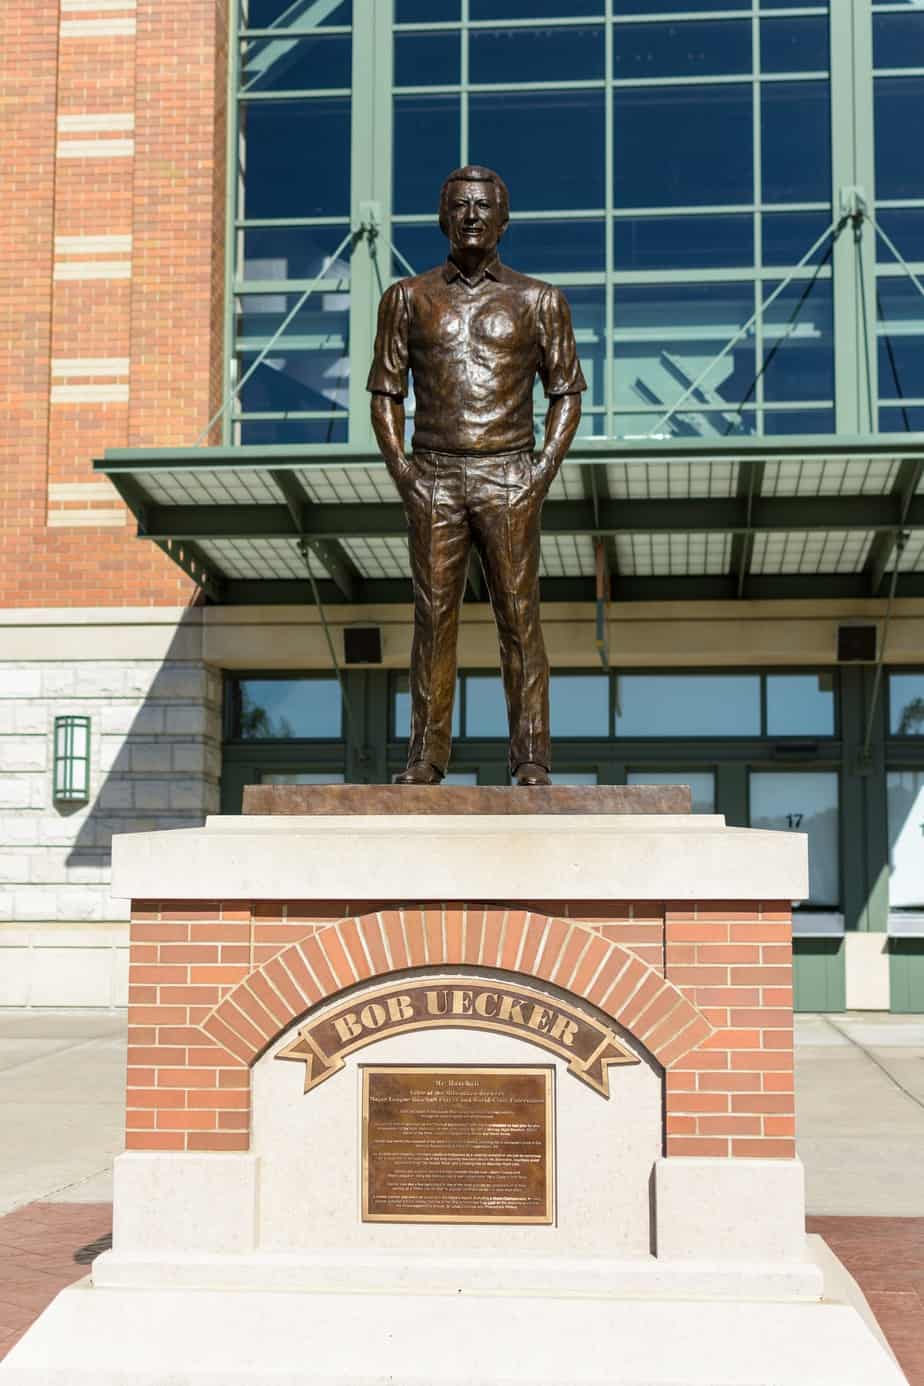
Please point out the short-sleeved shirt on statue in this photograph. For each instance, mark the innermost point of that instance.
(474, 349)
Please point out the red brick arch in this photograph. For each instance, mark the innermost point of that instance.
(366, 947)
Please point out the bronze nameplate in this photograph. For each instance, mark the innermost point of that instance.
(586, 1043)
(454, 1144)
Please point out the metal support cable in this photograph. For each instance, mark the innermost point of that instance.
(833, 230)
(304, 549)
(790, 326)
(896, 252)
(351, 236)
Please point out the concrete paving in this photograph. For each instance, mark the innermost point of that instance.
(859, 1104)
(62, 1078)
(860, 1113)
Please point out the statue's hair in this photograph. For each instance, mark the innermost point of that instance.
(473, 173)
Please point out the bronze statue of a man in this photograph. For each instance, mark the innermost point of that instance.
(474, 335)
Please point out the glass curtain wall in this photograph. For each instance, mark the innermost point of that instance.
(293, 71)
(898, 88)
(670, 165)
(668, 172)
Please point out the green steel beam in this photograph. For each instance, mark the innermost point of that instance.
(383, 591)
(372, 520)
(910, 475)
(330, 554)
(750, 480)
(184, 552)
(735, 448)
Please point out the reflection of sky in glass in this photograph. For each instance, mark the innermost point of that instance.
(701, 782)
(485, 706)
(905, 794)
(688, 705)
(906, 704)
(287, 708)
(403, 709)
(804, 802)
(301, 777)
(800, 705)
(579, 705)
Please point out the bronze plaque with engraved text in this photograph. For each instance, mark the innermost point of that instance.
(444, 1144)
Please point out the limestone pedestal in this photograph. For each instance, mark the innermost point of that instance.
(677, 1255)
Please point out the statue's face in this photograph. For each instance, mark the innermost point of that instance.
(474, 214)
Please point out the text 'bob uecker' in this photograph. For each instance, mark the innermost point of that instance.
(575, 1033)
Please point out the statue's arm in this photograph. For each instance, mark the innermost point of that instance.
(387, 381)
(560, 371)
(388, 427)
(561, 424)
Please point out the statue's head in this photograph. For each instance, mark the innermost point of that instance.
(474, 208)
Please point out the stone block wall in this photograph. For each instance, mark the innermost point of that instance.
(155, 758)
(706, 988)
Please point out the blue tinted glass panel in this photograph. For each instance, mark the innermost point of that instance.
(796, 141)
(803, 801)
(426, 11)
(800, 705)
(621, 7)
(793, 422)
(899, 113)
(547, 145)
(799, 343)
(562, 54)
(898, 40)
(402, 708)
(901, 419)
(682, 146)
(580, 705)
(900, 331)
(283, 709)
(283, 14)
(688, 705)
(301, 777)
(422, 247)
(298, 252)
(296, 380)
(703, 423)
(788, 5)
(701, 782)
(906, 704)
(426, 148)
(554, 247)
(687, 49)
(575, 776)
(587, 305)
(426, 60)
(905, 228)
(296, 64)
(682, 242)
(272, 431)
(321, 324)
(485, 706)
(667, 334)
(787, 236)
(531, 9)
(298, 158)
(794, 45)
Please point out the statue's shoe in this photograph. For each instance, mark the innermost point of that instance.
(529, 774)
(418, 772)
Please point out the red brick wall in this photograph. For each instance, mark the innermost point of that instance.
(706, 988)
(147, 295)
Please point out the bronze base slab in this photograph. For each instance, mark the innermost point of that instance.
(264, 799)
